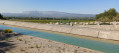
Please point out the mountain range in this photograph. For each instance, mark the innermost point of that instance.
(46, 14)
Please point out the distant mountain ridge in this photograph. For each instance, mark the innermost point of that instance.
(46, 14)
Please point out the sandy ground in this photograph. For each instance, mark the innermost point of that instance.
(29, 44)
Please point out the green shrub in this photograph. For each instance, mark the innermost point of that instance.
(6, 39)
(20, 39)
(31, 47)
(8, 31)
(105, 23)
(36, 46)
(91, 24)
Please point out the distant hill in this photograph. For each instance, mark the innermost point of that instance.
(46, 14)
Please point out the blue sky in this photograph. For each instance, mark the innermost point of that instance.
(71, 6)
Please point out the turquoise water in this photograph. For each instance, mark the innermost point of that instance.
(91, 44)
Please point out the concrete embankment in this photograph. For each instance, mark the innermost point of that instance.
(101, 27)
(93, 31)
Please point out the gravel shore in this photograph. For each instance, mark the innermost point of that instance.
(30, 44)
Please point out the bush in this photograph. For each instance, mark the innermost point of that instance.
(6, 39)
(105, 24)
(37, 46)
(8, 31)
(92, 24)
(1, 30)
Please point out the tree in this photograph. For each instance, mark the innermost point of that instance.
(1, 17)
(107, 15)
(111, 13)
(116, 18)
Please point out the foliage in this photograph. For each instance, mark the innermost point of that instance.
(51, 21)
(1, 17)
(107, 15)
(8, 31)
(19, 39)
(105, 23)
(6, 39)
(36, 46)
(116, 18)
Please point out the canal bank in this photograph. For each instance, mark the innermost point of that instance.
(87, 43)
(84, 31)
(69, 34)
(29, 44)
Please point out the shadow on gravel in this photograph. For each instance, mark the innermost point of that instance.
(9, 36)
(6, 45)
(1, 51)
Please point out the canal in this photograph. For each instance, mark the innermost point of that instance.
(77, 41)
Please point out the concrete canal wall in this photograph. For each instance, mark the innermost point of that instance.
(102, 27)
(103, 31)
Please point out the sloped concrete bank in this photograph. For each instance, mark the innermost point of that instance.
(85, 31)
(102, 27)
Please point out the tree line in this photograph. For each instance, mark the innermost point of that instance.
(48, 18)
(108, 16)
